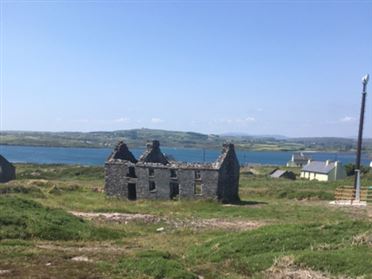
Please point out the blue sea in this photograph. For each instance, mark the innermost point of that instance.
(97, 156)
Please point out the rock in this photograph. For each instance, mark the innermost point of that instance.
(160, 229)
(81, 259)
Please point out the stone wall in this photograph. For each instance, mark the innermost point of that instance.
(116, 180)
(160, 179)
(186, 183)
(209, 180)
(229, 172)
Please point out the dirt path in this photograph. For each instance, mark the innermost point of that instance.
(117, 217)
(193, 223)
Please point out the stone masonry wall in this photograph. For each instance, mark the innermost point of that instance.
(186, 183)
(209, 180)
(116, 181)
(161, 178)
(228, 180)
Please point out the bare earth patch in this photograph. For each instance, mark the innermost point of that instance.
(4, 271)
(284, 268)
(92, 248)
(193, 223)
(117, 217)
(215, 223)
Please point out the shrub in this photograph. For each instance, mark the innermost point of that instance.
(350, 169)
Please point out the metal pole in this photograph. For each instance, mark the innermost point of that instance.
(360, 135)
(357, 190)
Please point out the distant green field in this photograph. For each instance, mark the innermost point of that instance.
(280, 227)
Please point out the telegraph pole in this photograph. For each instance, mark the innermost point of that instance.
(360, 136)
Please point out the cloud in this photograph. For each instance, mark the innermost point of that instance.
(250, 119)
(245, 120)
(122, 120)
(156, 120)
(347, 119)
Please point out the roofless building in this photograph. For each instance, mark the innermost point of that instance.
(154, 176)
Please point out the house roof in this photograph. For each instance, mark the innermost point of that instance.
(122, 152)
(319, 167)
(278, 173)
(300, 157)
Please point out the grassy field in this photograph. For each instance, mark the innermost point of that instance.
(280, 229)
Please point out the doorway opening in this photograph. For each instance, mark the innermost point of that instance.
(132, 193)
(174, 190)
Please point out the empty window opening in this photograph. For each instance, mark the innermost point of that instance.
(132, 193)
(152, 186)
(197, 175)
(151, 172)
(198, 188)
(131, 172)
(174, 190)
(173, 173)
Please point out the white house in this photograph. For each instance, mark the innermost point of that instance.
(323, 171)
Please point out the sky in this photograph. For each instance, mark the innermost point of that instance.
(291, 68)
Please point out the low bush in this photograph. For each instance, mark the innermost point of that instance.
(32, 191)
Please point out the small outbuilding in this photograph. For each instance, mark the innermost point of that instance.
(277, 173)
(7, 170)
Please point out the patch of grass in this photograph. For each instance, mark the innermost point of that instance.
(60, 172)
(255, 251)
(260, 185)
(304, 195)
(26, 219)
(32, 191)
(156, 264)
(352, 261)
(267, 209)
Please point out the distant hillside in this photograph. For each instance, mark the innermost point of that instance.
(139, 137)
(134, 138)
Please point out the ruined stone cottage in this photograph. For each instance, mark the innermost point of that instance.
(154, 176)
(7, 170)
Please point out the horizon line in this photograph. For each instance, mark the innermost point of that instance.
(224, 134)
